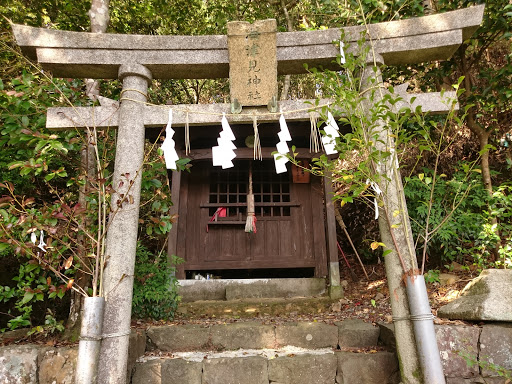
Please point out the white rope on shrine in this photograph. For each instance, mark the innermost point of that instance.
(314, 141)
(257, 155)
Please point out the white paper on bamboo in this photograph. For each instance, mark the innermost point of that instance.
(280, 158)
(169, 146)
(331, 130)
(224, 153)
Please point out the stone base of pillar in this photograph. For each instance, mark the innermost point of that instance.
(336, 292)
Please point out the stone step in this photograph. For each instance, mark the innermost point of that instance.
(270, 367)
(234, 289)
(256, 335)
(254, 308)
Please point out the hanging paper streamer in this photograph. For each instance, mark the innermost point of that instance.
(169, 146)
(187, 134)
(280, 158)
(331, 130)
(223, 153)
(314, 137)
(342, 53)
(378, 192)
(42, 244)
(257, 144)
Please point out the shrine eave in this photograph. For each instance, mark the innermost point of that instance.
(90, 55)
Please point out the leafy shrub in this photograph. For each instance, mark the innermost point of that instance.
(461, 199)
(155, 289)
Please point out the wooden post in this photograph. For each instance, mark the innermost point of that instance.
(335, 288)
(172, 237)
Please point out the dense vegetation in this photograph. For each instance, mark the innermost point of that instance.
(41, 174)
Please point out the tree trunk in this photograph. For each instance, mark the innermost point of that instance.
(395, 231)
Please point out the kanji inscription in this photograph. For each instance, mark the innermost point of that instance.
(252, 61)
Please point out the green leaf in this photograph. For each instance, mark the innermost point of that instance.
(27, 297)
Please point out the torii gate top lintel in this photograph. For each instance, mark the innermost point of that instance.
(90, 55)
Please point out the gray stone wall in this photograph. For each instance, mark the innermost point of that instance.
(470, 355)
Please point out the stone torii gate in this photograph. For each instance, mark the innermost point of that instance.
(136, 60)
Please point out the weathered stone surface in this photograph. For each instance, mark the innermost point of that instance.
(262, 288)
(241, 370)
(58, 366)
(92, 55)
(137, 348)
(317, 369)
(496, 347)
(148, 372)
(187, 337)
(356, 333)
(252, 61)
(488, 297)
(179, 371)
(374, 368)
(248, 335)
(453, 341)
(307, 335)
(387, 335)
(18, 364)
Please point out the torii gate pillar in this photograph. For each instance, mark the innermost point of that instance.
(121, 239)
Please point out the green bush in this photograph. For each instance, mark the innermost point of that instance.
(461, 199)
(155, 289)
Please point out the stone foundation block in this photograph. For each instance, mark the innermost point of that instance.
(248, 335)
(137, 348)
(367, 368)
(18, 364)
(188, 337)
(179, 371)
(149, 372)
(496, 347)
(317, 369)
(58, 366)
(357, 334)
(454, 342)
(242, 370)
(307, 335)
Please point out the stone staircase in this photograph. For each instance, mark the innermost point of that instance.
(255, 352)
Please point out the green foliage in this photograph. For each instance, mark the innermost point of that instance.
(485, 364)
(457, 198)
(432, 276)
(155, 289)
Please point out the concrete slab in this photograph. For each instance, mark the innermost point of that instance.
(318, 369)
(186, 337)
(307, 335)
(234, 289)
(247, 335)
(246, 370)
(354, 333)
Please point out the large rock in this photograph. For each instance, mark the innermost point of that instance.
(175, 338)
(307, 335)
(317, 369)
(496, 348)
(454, 343)
(354, 333)
(241, 370)
(373, 368)
(18, 364)
(248, 335)
(488, 297)
(58, 366)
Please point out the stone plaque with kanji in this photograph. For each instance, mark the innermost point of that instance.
(252, 62)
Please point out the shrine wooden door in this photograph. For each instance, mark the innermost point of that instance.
(289, 222)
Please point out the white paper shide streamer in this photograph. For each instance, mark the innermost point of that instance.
(342, 53)
(331, 130)
(378, 192)
(223, 154)
(280, 158)
(169, 146)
